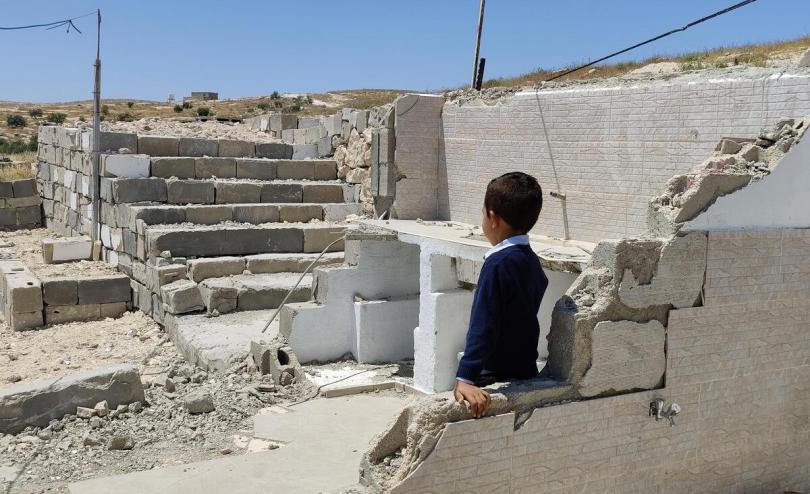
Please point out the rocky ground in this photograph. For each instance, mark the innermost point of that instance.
(210, 129)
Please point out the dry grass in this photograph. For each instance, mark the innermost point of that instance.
(756, 55)
(15, 171)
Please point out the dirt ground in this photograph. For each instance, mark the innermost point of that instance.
(27, 245)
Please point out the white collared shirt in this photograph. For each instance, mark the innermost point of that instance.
(509, 242)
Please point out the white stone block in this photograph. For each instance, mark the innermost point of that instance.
(62, 250)
(125, 165)
(384, 329)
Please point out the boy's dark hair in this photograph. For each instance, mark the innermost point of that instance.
(517, 198)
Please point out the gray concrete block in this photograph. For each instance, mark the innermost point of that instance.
(215, 267)
(238, 192)
(181, 296)
(322, 193)
(158, 145)
(288, 263)
(296, 170)
(225, 241)
(104, 290)
(59, 314)
(24, 187)
(152, 215)
(256, 169)
(288, 136)
(8, 217)
(60, 291)
(173, 167)
(274, 150)
(190, 192)
(215, 167)
(334, 213)
(307, 122)
(208, 215)
(300, 213)
(115, 309)
(25, 320)
(22, 291)
(316, 239)
(157, 276)
(6, 189)
(29, 215)
(267, 291)
(137, 190)
(219, 294)
(305, 151)
(198, 147)
(283, 121)
(115, 141)
(37, 403)
(282, 193)
(325, 147)
(230, 148)
(255, 213)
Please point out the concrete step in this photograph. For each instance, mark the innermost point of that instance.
(253, 213)
(247, 168)
(187, 240)
(253, 291)
(224, 191)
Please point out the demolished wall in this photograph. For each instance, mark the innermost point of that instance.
(608, 149)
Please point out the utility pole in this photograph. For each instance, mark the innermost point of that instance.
(478, 43)
(96, 234)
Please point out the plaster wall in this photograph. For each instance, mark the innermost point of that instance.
(609, 149)
(737, 367)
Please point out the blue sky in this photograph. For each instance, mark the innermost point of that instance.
(151, 48)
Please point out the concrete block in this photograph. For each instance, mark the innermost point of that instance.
(29, 215)
(181, 296)
(219, 294)
(325, 147)
(104, 290)
(198, 147)
(334, 213)
(37, 403)
(384, 329)
(24, 187)
(173, 167)
(276, 359)
(110, 142)
(208, 215)
(25, 320)
(60, 291)
(151, 215)
(137, 189)
(267, 291)
(238, 192)
(282, 193)
(8, 217)
(125, 165)
(305, 151)
(158, 145)
(157, 276)
(325, 170)
(224, 241)
(308, 122)
(300, 213)
(190, 192)
(296, 170)
(274, 150)
(256, 214)
(22, 291)
(113, 310)
(230, 148)
(322, 193)
(333, 124)
(288, 136)
(6, 189)
(59, 314)
(217, 267)
(316, 239)
(215, 167)
(66, 249)
(288, 263)
(283, 121)
(625, 356)
(256, 169)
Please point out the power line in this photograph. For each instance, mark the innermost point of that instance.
(678, 30)
(52, 25)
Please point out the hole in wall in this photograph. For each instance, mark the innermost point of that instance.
(283, 358)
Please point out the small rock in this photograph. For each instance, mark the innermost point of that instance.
(166, 254)
(286, 378)
(727, 146)
(85, 413)
(14, 378)
(89, 440)
(12, 357)
(199, 402)
(225, 451)
(135, 406)
(95, 423)
(102, 408)
(120, 442)
(169, 386)
(45, 434)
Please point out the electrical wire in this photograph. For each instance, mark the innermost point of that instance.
(318, 390)
(53, 25)
(660, 36)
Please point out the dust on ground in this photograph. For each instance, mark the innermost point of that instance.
(208, 129)
(26, 244)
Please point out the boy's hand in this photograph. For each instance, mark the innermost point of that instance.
(477, 399)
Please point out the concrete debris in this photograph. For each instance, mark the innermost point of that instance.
(199, 402)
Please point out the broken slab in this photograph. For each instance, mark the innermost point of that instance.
(37, 403)
(214, 267)
(181, 296)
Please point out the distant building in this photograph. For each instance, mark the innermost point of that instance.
(202, 96)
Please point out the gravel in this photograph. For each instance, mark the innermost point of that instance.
(201, 129)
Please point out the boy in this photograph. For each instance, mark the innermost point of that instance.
(503, 333)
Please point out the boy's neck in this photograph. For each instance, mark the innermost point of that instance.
(501, 236)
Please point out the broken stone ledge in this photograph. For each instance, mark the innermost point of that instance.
(37, 403)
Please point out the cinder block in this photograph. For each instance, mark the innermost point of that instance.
(219, 294)
(29, 215)
(8, 217)
(24, 188)
(308, 122)
(190, 192)
(20, 202)
(300, 213)
(238, 192)
(181, 296)
(158, 145)
(316, 239)
(296, 170)
(208, 215)
(256, 169)
(230, 148)
(115, 309)
(215, 167)
(217, 267)
(6, 189)
(282, 193)
(325, 147)
(66, 249)
(58, 314)
(255, 214)
(104, 290)
(137, 190)
(305, 151)
(173, 167)
(110, 142)
(157, 276)
(25, 320)
(125, 165)
(198, 147)
(283, 121)
(322, 193)
(22, 292)
(274, 150)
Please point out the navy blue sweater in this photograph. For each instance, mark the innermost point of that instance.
(503, 333)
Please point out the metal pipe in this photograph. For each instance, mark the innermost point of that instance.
(478, 43)
(95, 234)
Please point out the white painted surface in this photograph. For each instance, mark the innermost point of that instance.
(72, 250)
(125, 165)
(780, 200)
(384, 329)
(558, 284)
